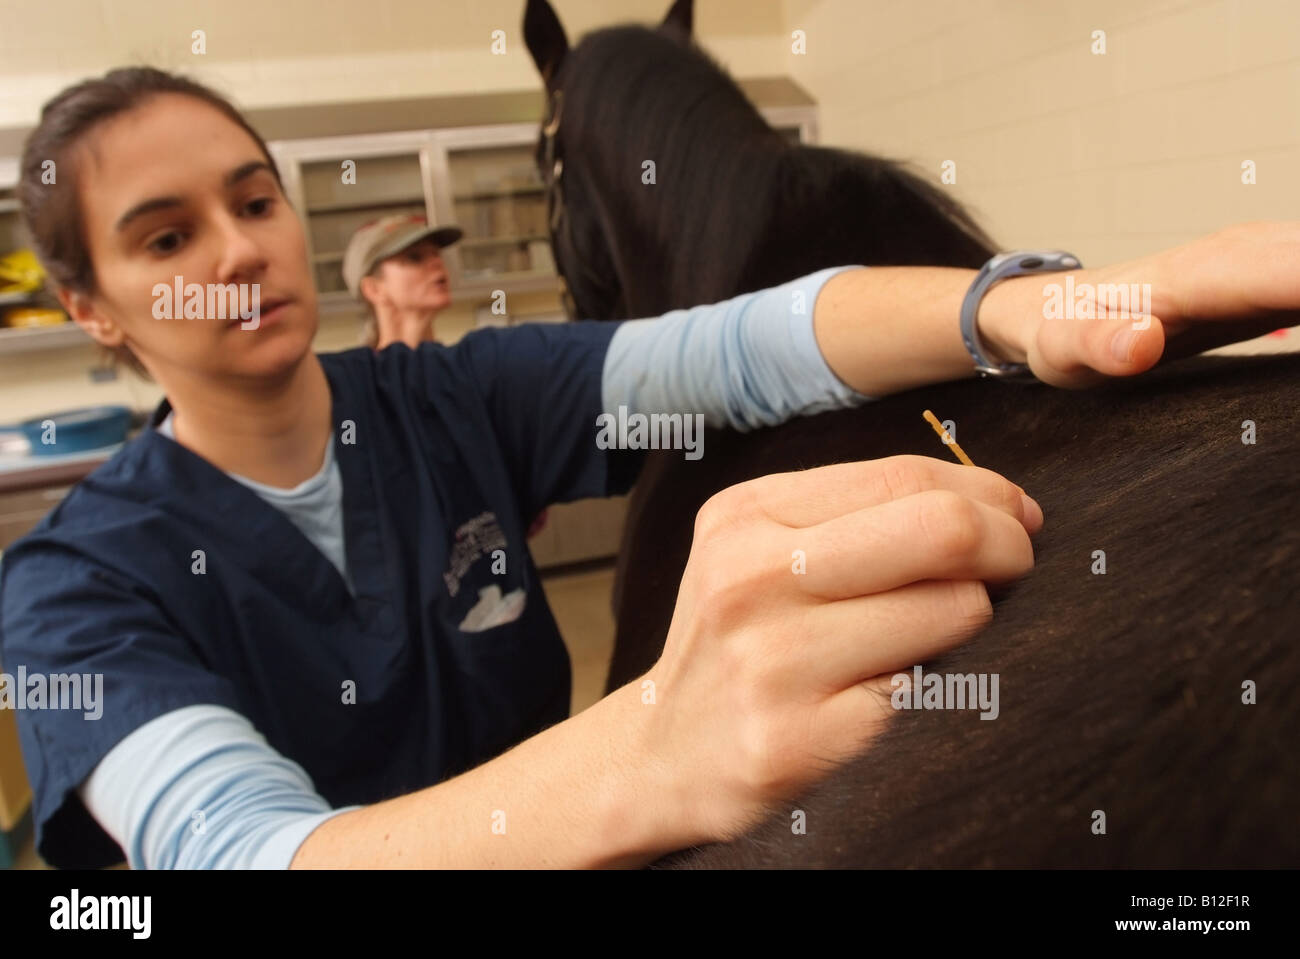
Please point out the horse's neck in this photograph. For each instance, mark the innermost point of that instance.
(769, 215)
(694, 236)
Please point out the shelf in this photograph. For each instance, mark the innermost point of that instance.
(472, 243)
(472, 288)
(494, 194)
(521, 281)
(354, 207)
(20, 297)
(26, 339)
(502, 240)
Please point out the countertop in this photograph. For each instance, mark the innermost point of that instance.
(19, 473)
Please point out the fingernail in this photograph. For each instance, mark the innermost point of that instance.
(1121, 347)
(1033, 512)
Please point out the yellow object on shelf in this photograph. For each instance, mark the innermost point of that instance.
(26, 317)
(21, 272)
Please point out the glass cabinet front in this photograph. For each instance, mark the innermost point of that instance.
(498, 199)
(341, 195)
(483, 179)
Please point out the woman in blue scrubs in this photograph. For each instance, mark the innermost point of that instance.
(304, 590)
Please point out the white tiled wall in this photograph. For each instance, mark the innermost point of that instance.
(1110, 156)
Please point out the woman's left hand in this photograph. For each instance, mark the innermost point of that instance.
(1233, 285)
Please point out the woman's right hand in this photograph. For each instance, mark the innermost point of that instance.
(771, 676)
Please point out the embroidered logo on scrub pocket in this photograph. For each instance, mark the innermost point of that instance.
(479, 537)
(493, 609)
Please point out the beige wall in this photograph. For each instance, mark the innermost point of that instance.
(1109, 156)
(279, 52)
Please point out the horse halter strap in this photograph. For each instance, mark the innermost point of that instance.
(554, 172)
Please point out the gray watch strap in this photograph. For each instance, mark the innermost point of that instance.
(1000, 267)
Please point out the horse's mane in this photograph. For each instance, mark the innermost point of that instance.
(633, 94)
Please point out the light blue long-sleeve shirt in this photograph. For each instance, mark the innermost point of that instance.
(749, 361)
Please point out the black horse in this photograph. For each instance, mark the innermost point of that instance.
(1124, 690)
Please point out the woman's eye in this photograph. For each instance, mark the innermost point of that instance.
(260, 206)
(166, 243)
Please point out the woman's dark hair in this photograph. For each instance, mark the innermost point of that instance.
(51, 212)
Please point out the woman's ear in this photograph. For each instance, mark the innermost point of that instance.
(100, 327)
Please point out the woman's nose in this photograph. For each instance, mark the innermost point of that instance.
(240, 256)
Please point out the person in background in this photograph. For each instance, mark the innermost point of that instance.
(394, 265)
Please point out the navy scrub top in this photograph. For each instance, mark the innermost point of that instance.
(453, 450)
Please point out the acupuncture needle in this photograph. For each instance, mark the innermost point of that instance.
(948, 440)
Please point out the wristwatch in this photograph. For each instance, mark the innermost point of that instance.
(1000, 267)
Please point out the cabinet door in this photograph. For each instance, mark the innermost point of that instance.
(488, 179)
(339, 184)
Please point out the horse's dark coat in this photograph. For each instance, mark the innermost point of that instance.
(1119, 692)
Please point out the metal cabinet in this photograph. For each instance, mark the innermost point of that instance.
(336, 184)
(486, 181)
(482, 178)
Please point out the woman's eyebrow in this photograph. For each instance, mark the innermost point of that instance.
(148, 206)
(246, 170)
(241, 172)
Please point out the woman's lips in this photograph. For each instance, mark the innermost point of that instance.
(269, 312)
